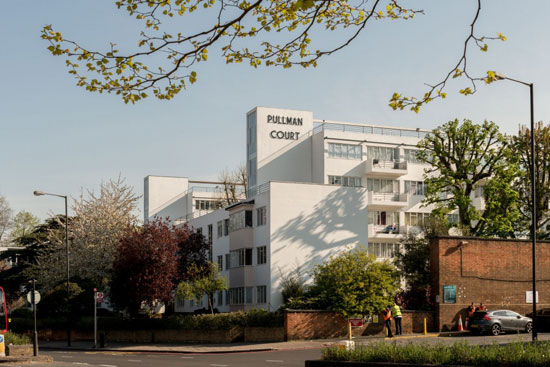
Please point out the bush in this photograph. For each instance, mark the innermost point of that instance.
(16, 339)
(510, 355)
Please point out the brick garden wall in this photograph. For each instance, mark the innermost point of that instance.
(495, 272)
(308, 324)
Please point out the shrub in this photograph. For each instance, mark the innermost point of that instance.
(16, 339)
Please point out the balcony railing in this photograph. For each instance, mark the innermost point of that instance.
(380, 196)
(389, 164)
(386, 228)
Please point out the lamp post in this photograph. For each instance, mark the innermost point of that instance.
(532, 166)
(40, 193)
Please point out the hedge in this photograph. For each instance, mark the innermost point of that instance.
(220, 321)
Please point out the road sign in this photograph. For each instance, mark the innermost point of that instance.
(356, 322)
(36, 297)
(99, 297)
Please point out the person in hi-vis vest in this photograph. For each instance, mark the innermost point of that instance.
(396, 314)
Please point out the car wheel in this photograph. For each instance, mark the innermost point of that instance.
(529, 327)
(495, 329)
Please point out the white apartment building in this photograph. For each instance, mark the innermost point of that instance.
(316, 187)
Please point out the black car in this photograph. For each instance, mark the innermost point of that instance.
(495, 322)
(543, 319)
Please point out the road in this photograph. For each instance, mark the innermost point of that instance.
(292, 358)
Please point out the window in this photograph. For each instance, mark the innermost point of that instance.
(192, 303)
(417, 219)
(261, 294)
(220, 262)
(345, 181)
(383, 153)
(180, 301)
(210, 233)
(452, 219)
(383, 186)
(227, 297)
(236, 296)
(226, 227)
(410, 156)
(249, 295)
(415, 187)
(199, 230)
(207, 204)
(227, 261)
(240, 257)
(261, 214)
(345, 151)
(383, 218)
(240, 220)
(220, 298)
(261, 255)
(383, 250)
(210, 240)
(220, 229)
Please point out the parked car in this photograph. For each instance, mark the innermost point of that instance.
(543, 319)
(496, 322)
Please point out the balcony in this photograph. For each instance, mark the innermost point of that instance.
(387, 201)
(386, 169)
(384, 231)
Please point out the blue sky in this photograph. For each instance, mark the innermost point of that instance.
(59, 138)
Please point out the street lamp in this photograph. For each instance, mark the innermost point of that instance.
(532, 166)
(40, 193)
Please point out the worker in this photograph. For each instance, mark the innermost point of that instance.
(387, 320)
(396, 314)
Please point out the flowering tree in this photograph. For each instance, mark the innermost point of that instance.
(100, 219)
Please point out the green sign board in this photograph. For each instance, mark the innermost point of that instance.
(449, 294)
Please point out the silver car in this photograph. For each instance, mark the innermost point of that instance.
(495, 322)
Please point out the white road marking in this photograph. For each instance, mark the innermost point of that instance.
(134, 360)
(67, 356)
(218, 365)
(274, 360)
(81, 363)
(107, 365)
(187, 357)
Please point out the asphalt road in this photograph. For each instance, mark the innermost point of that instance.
(291, 358)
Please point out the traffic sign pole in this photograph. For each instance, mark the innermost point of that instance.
(35, 333)
(95, 318)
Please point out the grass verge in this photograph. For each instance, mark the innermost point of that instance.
(511, 355)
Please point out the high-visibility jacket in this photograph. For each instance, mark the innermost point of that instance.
(387, 314)
(396, 311)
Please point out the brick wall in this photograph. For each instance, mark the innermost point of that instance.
(308, 324)
(495, 272)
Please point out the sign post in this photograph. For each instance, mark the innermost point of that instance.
(98, 298)
(33, 298)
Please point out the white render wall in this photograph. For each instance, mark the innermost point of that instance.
(161, 194)
(311, 222)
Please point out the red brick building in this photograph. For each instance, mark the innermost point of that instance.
(497, 273)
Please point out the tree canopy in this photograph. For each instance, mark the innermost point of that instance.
(354, 283)
(468, 157)
(522, 147)
(280, 33)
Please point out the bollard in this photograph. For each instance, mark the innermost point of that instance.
(425, 327)
(2, 346)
